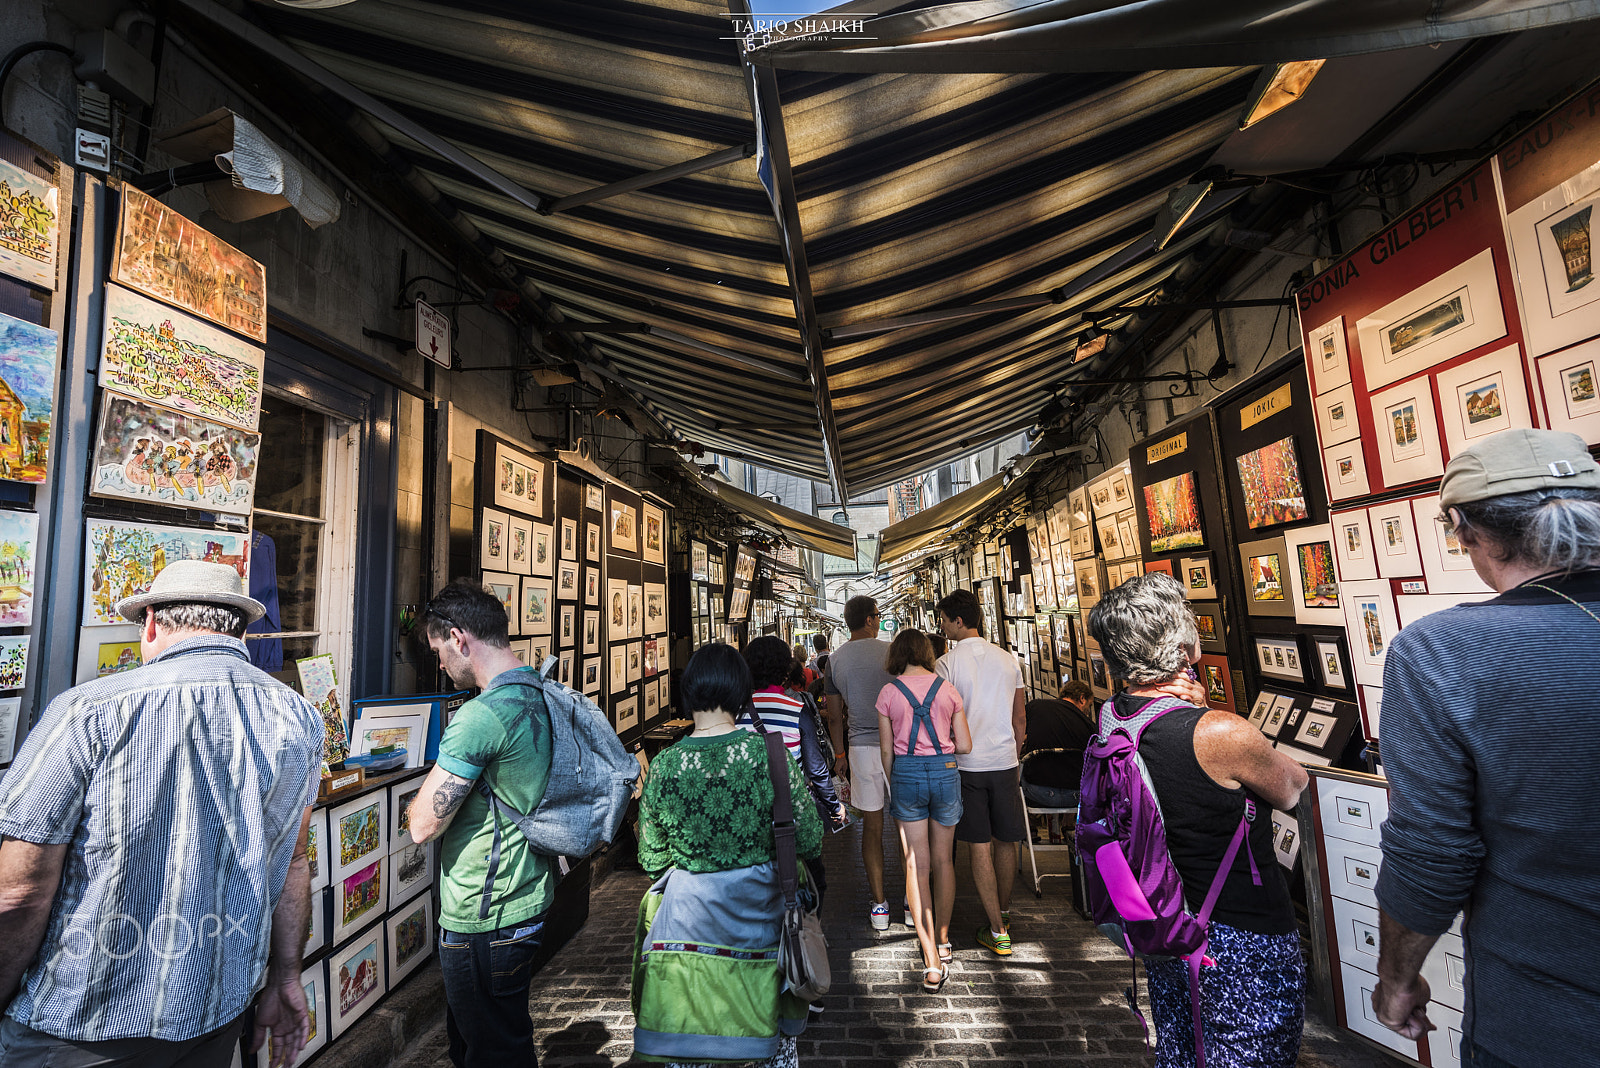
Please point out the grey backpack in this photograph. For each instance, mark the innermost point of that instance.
(591, 781)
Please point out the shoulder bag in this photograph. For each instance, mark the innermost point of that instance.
(802, 947)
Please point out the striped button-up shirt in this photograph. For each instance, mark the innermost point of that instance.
(180, 788)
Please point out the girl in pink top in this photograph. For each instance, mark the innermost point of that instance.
(921, 728)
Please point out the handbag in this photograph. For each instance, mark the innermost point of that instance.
(802, 947)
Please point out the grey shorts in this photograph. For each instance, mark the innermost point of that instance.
(991, 807)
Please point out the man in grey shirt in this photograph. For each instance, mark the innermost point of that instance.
(856, 675)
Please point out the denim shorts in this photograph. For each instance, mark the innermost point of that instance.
(926, 787)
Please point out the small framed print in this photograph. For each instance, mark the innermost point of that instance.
(358, 898)
(616, 608)
(591, 587)
(1121, 492)
(1280, 658)
(1088, 582)
(519, 480)
(1483, 397)
(318, 855)
(400, 798)
(493, 539)
(635, 610)
(314, 982)
(705, 600)
(591, 633)
(1352, 546)
(1208, 624)
(591, 676)
(624, 528)
(1330, 664)
(1345, 468)
(1371, 709)
(567, 629)
(1285, 838)
(1408, 433)
(1328, 356)
(536, 605)
(1259, 710)
(538, 653)
(618, 675)
(1128, 532)
(1282, 711)
(1199, 580)
(358, 832)
(627, 713)
(355, 979)
(1394, 532)
(1315, 730)
(564, 671)
(1215, 677)
(664, 689)
(655, 535)
(1551, 237)
(519, 547)
(591, 542)
(1313, 575)
(1110, 540)
(1441, 319)
(541, 550)
(1371, 623)
(1571, 383)
(410, 871)
(652, 702)
(1265, 588)
(567, 581)
(635, 661)
(522, 649)
(409, 937)
(569, 539)
(594, 497)
(505, 587)
(655, 608)
(699, 562)
(1444, 561)
(1336, 416)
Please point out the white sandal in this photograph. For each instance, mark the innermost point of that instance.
(946, 953)
(943, 972)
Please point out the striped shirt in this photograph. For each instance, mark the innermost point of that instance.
(180, 788)
(1491, 743)
(780, 713)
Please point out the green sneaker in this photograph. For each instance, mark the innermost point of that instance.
(1005, 922)
(1000, 947)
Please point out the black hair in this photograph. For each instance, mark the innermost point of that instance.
(819, 641)
(859, 609)
(715, 677)
(797, 676)
(769, 657)
(940, 644)
(466, 606)
(963, 605)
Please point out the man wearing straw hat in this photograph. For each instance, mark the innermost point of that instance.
(153, 866)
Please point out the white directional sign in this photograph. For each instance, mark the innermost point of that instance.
(433, 334)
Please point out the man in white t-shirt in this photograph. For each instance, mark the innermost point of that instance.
(992, 817)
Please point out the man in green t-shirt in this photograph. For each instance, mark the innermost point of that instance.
(502, 736)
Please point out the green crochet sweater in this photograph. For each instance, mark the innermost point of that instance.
(707, 806)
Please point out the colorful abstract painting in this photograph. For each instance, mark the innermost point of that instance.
(19, 534)
(27, 398)
(154, 353)
(156, 455)
(1173, 510)
(1318, 583)
(123, 558)
(165, 255)
(13, 662)
(30, 225)
(1270, 478)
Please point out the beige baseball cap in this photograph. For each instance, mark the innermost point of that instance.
(1518, 461)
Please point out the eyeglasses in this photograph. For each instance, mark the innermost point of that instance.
(1444, 520)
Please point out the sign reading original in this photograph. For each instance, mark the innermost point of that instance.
(1171, 447)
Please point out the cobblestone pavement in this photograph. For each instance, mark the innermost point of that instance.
(1056, 1000)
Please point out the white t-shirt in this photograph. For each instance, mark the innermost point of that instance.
(987, 678)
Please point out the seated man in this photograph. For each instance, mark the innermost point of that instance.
(1051, 781)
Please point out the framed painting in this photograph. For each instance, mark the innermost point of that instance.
(519, 545)
(567, 629)
(1110, 540)
(569, 539)
(494, 539)
(162, 254)
(358, 833)
(1266, 591)
(655, 608)
(617, 676)
(627, 713)
(1121, 492)
(1328, 356)
(1331, 660)
(624, 528)
(401, 796)
(410, 871)
(28, 358)
(1551, 241)
(31, 238)
(1313, 575)
(655, 535)
(1270, 479)
(313, 981)
(594, 497)
(566, 580)
(1371, 709)
(1483, 397)
(522, 649)
(635, 661)
(159, 456)
(1208, 624)
(664, 690)
(1281, 712)
(1198, 577)
(1571, 384)
(591, 542)
(358, 898)
(1352, 546)
(120, 559)
(153, 353)
(635, 610)
(591, 676)
(536, 605)
(699, 562)
(1172, 511)
(1445, 562)
(13, 661)
(591, 587)
(564, 669)
(355, 979)
(518, 480)
(652, 701)
(505, 588)
(542, 550)
(616, 608)
(1336, 416)
(408, 937)
(1345, 468)
(1452, 314)
(407, 732)
(1128, 533)
(1371, 624)
(318, 855)
(1394, 530)
(1217, 679)
(591, 633)
(1280, 658)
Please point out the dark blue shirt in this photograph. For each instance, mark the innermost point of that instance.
(1491, 743)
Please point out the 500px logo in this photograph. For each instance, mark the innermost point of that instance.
(168, 936)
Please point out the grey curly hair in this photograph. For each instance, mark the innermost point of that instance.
(1145, 629)
(1552, 529)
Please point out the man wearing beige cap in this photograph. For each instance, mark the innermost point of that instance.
(1491, 743)
(153, 865)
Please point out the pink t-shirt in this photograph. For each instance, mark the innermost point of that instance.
(946, 703)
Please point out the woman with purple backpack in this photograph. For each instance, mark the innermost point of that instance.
(1215, 778)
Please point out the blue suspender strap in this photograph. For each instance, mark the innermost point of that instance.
(921, 713)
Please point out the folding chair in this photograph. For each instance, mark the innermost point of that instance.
(1031, 810)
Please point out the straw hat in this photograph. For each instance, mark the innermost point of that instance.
(190, 581)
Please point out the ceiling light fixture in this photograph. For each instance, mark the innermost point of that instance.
(1277, 88)
(1182, 203)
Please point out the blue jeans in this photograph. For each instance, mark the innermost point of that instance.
(1478, 1057)
(486, 978)
(926, 787)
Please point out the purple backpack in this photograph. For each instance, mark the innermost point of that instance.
(1132, 886)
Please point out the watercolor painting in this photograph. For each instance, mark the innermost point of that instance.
(115, 657)
(1270, 478)
(362, 892)
(358, 977)
(27, 398)
(159, 456)
(155, 353)
(320, 685)
(165, 255)
(123, 558)
(30, 226)
(13, 662)
(360, 833)
(1173, 510)
(411, 936)
(19, 532)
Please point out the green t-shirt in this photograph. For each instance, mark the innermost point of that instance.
(504, 735)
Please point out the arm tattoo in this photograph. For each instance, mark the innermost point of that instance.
(448, 798)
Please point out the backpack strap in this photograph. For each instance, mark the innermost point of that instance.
(921, 713)
(782, 817)
(1198, 958)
